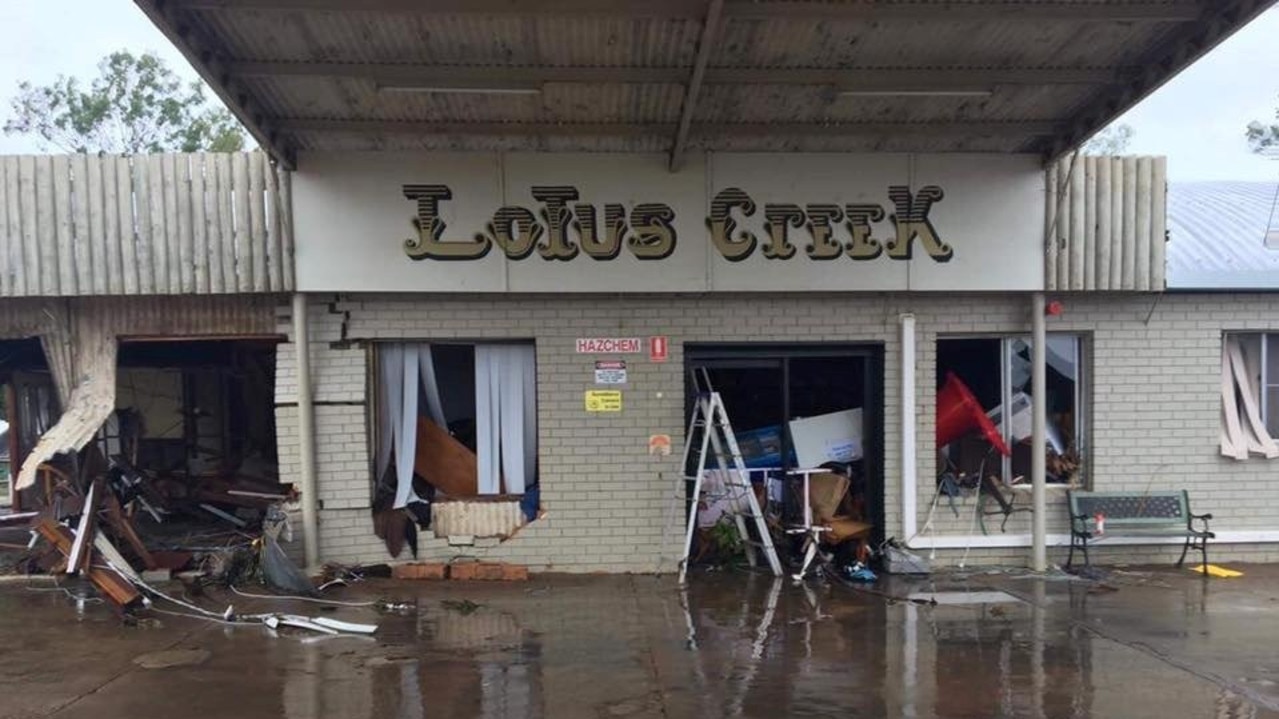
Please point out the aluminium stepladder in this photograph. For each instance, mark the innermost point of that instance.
(711, 434)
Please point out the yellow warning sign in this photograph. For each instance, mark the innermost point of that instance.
(603, 400)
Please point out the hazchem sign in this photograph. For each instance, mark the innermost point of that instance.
(609, 345)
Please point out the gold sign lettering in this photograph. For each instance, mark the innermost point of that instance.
(779, 219)
(721, 224)
(821, 218)
(649, 230)
(860, 217)
(604, 246)
(654, 231)
(427, 244)
(912, 222)
(557, 216)
(515, 230)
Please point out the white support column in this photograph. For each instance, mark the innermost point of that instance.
(1039, 429)
(909, 486)
(306, 433)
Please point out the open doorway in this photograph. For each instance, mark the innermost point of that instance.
(196, 409)
(182, 471)
(28, 407)
(804, 406)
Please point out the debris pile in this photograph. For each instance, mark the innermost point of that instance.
(126, 530)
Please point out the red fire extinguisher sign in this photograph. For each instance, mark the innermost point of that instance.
(658, 351)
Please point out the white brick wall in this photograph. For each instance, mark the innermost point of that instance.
(1153, 366)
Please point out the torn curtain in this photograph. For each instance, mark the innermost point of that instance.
(505, 417)
(402, 365)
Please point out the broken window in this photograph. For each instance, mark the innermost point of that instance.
(1249, 394)
(997, 373)
(455, 423)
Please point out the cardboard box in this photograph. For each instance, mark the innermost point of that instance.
(834, 437)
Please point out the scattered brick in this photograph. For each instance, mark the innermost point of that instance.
(463, 571)
(420, 570)
(488, 572)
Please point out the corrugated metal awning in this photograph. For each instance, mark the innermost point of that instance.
(676, 75)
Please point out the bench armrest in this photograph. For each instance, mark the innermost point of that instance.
(1203, 518)
(1079, 523)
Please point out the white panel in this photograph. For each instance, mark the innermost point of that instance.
(993, 217)
(352, 219)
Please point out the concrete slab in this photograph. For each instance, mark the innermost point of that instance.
(1162, 644)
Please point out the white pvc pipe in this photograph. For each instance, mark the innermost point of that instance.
(1039, 426)
(909, 488)
(306, 433)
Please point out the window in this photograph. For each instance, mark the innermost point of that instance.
(455, 425)
(997, 373)
(1250, 394)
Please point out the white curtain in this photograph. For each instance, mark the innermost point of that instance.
(505, 417)
(402, 364)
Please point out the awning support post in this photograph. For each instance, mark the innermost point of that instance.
(1039, 426)
(909, 486)
(306, 432)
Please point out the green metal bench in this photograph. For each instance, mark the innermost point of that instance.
(1131, 514)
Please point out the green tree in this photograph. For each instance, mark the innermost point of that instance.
(1263, 138)
(135, 105)
(1111, 141)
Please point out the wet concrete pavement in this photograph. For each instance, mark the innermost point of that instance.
(1162, 644)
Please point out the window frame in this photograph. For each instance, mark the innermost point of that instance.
(1264, 382)
(1007, 348)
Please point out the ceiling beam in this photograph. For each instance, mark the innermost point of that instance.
(237, 100)
(464, 76)
(1113, 11)
(1160, 66)
(495, 77)
(398, 127)
(1032, 128)
(710, 27)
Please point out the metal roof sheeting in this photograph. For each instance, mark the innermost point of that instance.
(279, 61)
(1217, 235)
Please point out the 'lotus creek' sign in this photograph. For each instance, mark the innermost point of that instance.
(610, 223)
(562, 228)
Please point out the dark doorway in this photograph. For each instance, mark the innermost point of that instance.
(196, 407)
(772, 390)
(28, 407)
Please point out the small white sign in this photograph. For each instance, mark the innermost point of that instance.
(610, 372)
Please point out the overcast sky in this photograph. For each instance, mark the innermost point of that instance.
(1197, 119)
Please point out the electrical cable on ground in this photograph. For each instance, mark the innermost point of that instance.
(216, 620)
(316, 600)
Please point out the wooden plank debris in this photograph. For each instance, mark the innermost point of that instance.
(121, 525)
(114, 587)
(79, 556)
